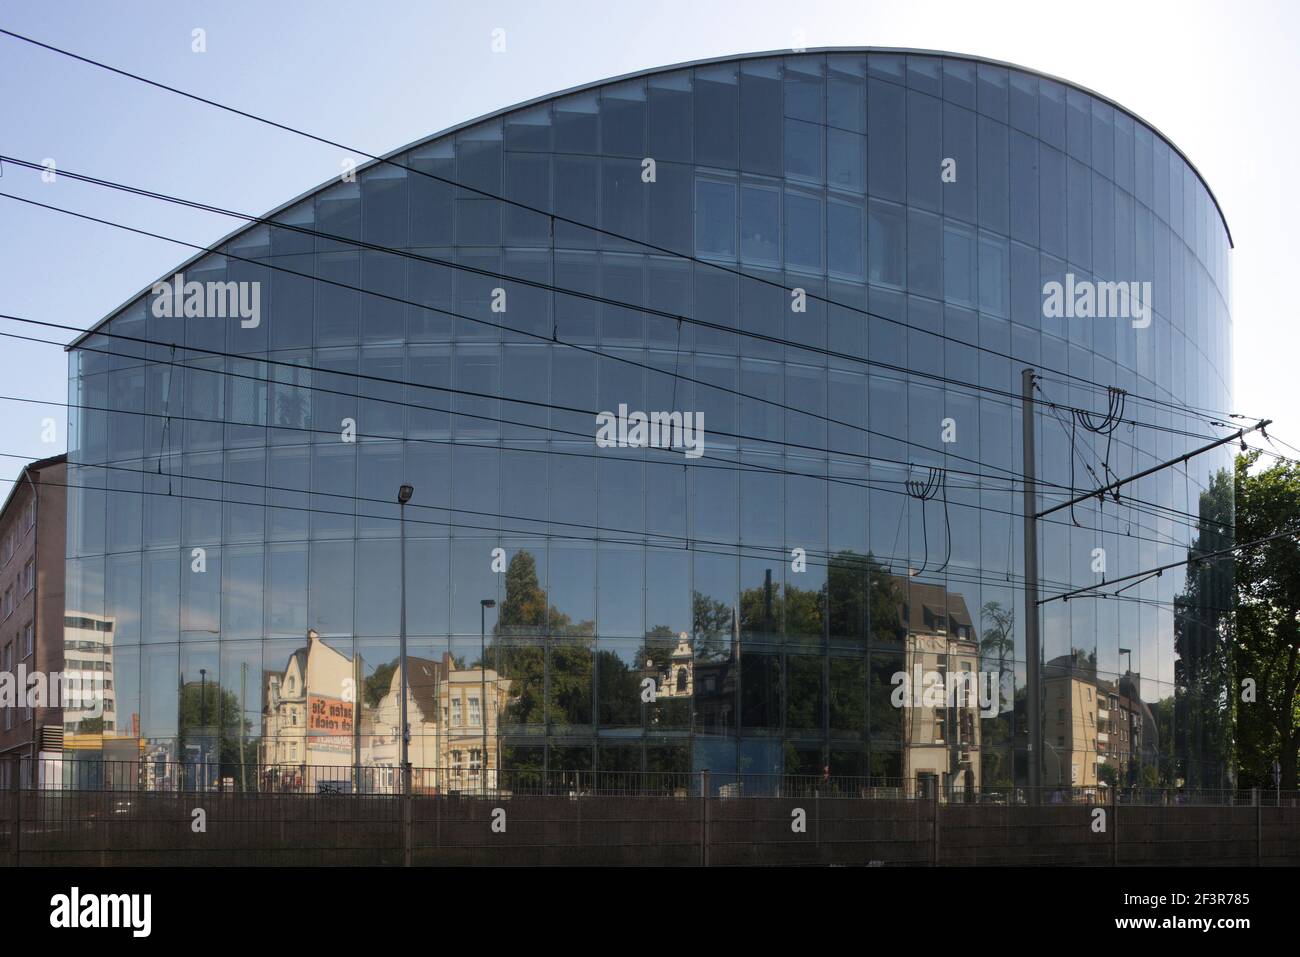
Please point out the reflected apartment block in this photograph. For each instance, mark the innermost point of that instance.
(941, 738)
(1099, 732)
(315, 737)
(453, 734)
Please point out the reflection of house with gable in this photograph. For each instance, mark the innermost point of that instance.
(675, 674)
(308, 720)
(940, 741)
(449, 725)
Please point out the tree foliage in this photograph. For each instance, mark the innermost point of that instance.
(1267, 646)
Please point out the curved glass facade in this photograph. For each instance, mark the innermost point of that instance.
(885, 224)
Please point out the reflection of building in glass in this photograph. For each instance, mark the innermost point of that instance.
(310, 710)
(1074, 742)
(941, 741)
(451, 747)
(674, 675)
(88, 681)
(817, 171)
(1099, 732)
(1131, 743)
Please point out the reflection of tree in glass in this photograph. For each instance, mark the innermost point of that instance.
(526, 612)
(997, 643)
(377, 685)
(1202, 716)
(207, 712)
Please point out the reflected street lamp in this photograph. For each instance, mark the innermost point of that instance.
(483, 605)
(403, 496)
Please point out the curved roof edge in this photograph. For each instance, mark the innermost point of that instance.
(651, 71)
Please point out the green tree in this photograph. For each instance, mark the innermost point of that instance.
(1267, 646)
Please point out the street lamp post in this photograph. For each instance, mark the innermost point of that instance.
(203, 723)
(483, 605)
(403, 496)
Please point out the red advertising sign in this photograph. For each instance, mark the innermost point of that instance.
(328, 715)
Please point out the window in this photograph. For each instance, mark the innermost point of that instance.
(9, 602)
(803, 231)
(715, 218)
(475, 713)
(886, 244)
(29, 576)
(760, 224)
(455, 716)
(29, 633)
(844, 237)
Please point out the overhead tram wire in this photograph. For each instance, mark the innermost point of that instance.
(1161, 569)
(1009, 399)
(657, 540)
(471, 393)
(468, 318)
(409, 302)
(487, 194)
(1154, 509)
(869, 484)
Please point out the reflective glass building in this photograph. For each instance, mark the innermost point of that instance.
(838, 259)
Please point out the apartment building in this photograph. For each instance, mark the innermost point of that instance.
(32, 543)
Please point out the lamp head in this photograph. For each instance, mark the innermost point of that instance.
(404, 494)
(488, 602)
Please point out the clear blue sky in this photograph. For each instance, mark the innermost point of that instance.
(1217, 78)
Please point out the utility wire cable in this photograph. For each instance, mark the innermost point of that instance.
(1009, 399)
(409, 302)
(486, 194)
(873, 484)
(645, 539)
(447, 411)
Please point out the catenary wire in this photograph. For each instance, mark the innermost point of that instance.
(487, 194)
(1009, 398)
